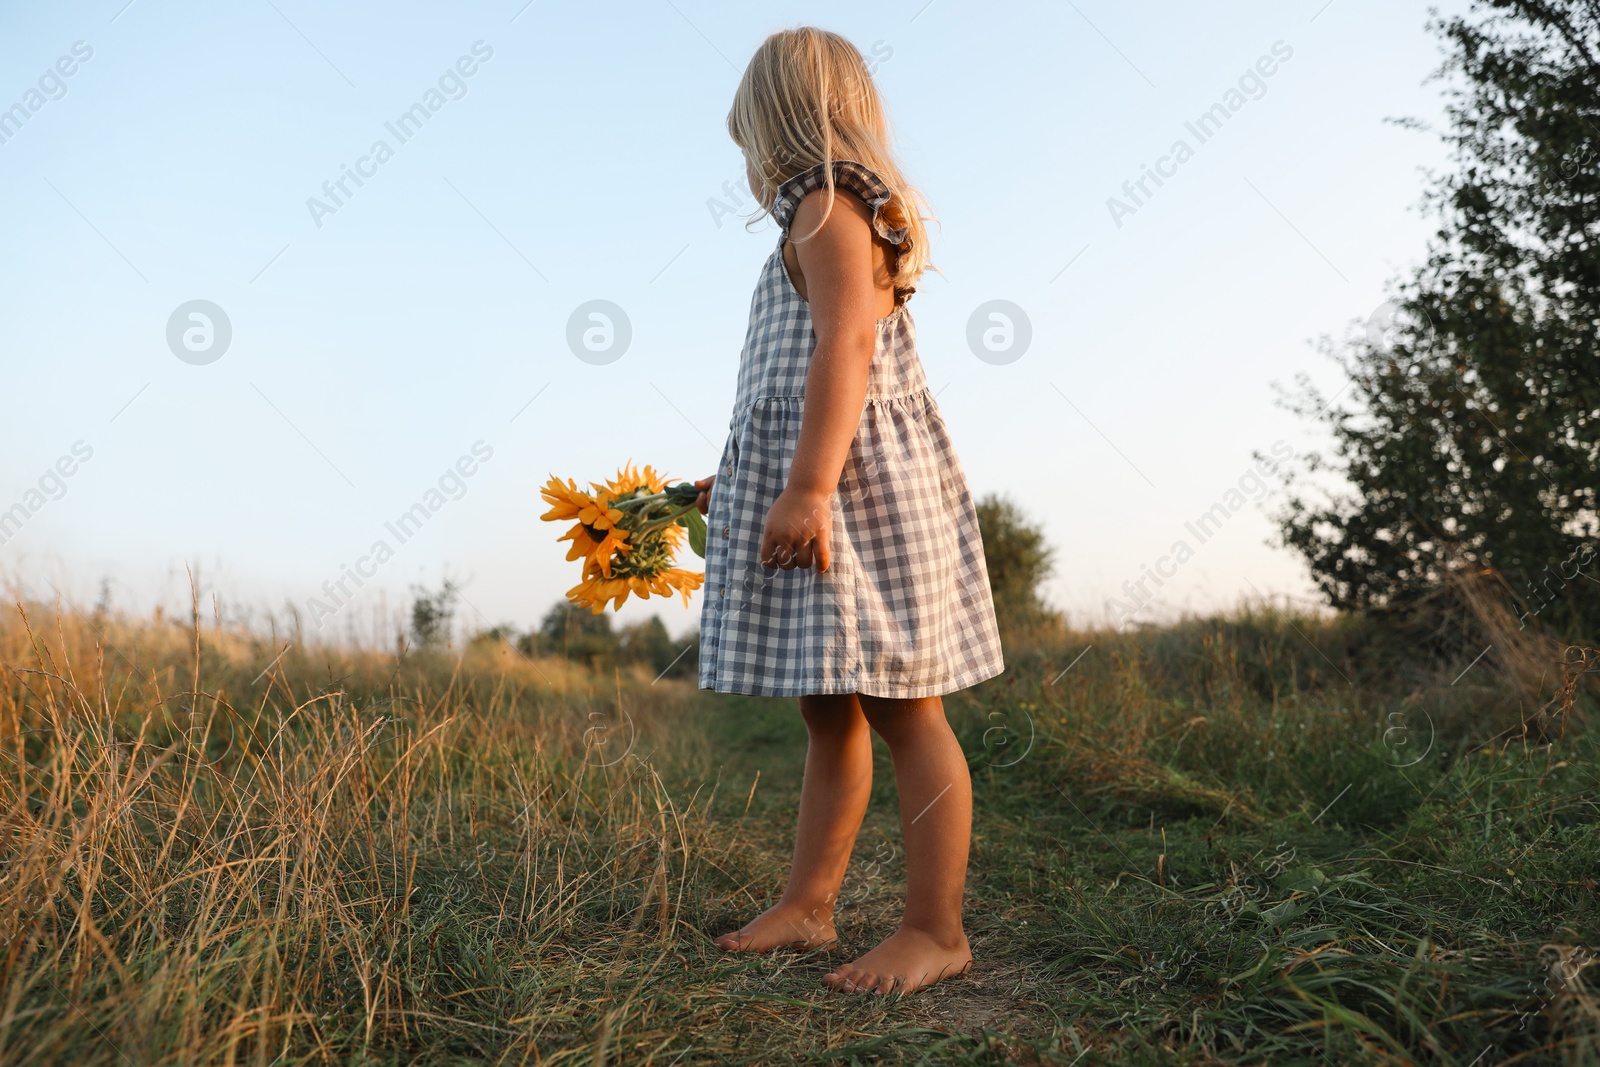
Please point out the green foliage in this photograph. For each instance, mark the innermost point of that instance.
(576, 633)
(431, 612)
(1019, 560)
(587, 638)
(695, 523)
(1470, 433)
(649, 643)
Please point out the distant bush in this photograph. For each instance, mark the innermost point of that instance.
(584, 637)
(577, 634)
(649, 643)
(431, 613)
(1019, 560)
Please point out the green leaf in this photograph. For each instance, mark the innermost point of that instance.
(1304, 879)
(695, 523)
(1283, 912)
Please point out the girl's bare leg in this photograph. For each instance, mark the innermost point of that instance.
(833, 800)
(936, 819)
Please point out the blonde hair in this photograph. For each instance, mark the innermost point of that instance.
(807, 99)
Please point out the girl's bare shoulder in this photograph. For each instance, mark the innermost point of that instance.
(839, 241)
(850, 217)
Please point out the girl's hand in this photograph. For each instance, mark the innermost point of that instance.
(797, 531)
(703, 501)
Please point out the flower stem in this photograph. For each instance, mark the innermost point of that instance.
(637, 502)
(667, 520)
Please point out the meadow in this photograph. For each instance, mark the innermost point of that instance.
(1258, 838)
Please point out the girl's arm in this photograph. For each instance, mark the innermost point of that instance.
(837, 280)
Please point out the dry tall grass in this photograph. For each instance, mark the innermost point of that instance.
(1200, 844)
(204, 866)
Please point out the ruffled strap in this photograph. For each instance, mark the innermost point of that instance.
(847, 174)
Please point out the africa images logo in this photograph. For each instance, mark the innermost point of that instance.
(52, 485)
(1252, 85)
(199, 332)
(451, 485)
(452, 85)
(52, 85)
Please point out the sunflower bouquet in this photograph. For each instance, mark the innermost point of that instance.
(628, 532)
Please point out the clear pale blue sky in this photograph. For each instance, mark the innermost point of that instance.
(424, 314)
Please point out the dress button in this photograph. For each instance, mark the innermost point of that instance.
(725, 530)
(722, 595)
(730, 469)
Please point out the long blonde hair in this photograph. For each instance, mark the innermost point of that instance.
(807, 98)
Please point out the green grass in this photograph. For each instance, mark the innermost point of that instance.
(1201, 845)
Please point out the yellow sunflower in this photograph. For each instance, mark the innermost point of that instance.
(599, 552)
(630, 479)
(627, 534)
(596, 592)
(570, 502)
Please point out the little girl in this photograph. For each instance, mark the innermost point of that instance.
(844, 565)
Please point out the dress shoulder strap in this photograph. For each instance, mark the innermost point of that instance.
(845, 174)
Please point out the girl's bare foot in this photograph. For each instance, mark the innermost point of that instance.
(781, 926)
(908, 960)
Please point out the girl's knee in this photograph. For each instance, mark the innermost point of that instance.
(831, 714)
(893, 719)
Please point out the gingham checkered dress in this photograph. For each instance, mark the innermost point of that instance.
(904, 609)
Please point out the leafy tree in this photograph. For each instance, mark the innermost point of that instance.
(1469, 433)
(649, 643)
(1019, 560)
(578, 634)
(431, 613)
(581, 635)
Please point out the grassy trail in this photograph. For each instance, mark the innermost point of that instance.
(1193, 846)
(1131, 924)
